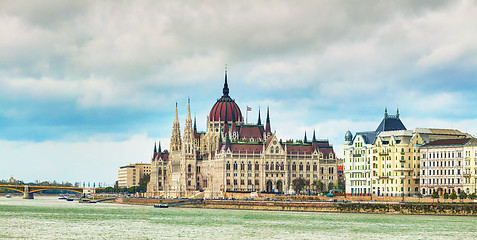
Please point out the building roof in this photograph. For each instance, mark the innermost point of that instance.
(448, 142)
(225, 107)
(251, 131)
(390, 123)
(249, 148)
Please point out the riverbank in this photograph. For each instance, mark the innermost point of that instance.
(369, 207)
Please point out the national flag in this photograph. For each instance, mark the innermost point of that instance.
(278, 164)
(249, 108)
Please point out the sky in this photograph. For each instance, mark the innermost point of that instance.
(88, 86)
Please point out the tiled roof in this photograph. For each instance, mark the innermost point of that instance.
(326, 152)
(448, 142)
(249, 148)
(247, 131)
(300, 149)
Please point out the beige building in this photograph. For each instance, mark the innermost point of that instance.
(388, 160)
(232, 156)
(470, 166)
(130, 175)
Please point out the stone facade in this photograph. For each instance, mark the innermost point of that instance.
(232, 156)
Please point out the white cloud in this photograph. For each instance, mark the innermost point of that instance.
(95, 160)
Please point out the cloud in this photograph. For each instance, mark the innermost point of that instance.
(72, 69)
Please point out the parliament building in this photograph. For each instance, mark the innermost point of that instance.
(233, 156)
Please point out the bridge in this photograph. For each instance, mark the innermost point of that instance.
(29, 190)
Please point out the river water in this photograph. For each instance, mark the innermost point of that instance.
(49, 218)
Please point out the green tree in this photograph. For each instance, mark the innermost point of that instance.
(435, 195)
(341, 185)
(446, 195)
(320, 186)
(453, 195)
(298, 184)
(462, 195)
(419, 195)
(143, 183)
(471, 196)
(331, 186)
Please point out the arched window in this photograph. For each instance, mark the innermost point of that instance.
(227, 166)
(189, 168)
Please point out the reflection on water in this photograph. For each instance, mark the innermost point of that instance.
(43, 218)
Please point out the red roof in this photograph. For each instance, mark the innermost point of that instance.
(249, 148)
(225, 106)
(448, 142)
(300, 149)
(326, 152)
(248, 132)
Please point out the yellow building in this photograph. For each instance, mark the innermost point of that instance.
(396, 159)
(130, 175)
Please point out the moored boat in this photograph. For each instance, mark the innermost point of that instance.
(8, 196)
(163, 205)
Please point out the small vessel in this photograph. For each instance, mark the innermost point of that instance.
(162, 205)
(69, 199)
(8, 196)
(61, 196)
(85, 200)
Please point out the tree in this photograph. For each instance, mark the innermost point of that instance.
(462, 195)
(320, 186)
(143, 183)
(298, 184)
(435, 195)
(419, 195)
(341, 185)
(446, 195)
(471, 196)
(331, 186)
(453, 195)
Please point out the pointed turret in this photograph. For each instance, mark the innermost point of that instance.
(397, 113)
(159, 150)
(195, 123)
(259, 122)
(314, 137)
(385, 112)
(267, 127)
(176, 142)
(225, 91)
(304, 139)
(188, 132)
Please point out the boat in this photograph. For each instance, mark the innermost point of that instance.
(8, 196)
(69, 199)
(61, 197)
(162, 205)
(85, 200)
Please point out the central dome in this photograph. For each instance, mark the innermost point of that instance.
(225, 107)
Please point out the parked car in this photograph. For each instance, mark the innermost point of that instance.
(288, 200)
(331, 200)
(266, 199)
(275, 199)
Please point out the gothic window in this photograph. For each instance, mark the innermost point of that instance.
(242, 166)
(227, 166)
(315, 168)
(189, 168)
(301, 167)
(256, 166)
(235, 166)
(235, 182)
(271, 165)
(307, 167)
(293, 167)
(249, 166)
(266, 166)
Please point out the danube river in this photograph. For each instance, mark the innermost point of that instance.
(49, 218)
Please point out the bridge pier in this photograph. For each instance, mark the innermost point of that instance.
(27, 194)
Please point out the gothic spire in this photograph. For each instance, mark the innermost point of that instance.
(226, 86)
(397, 113)
(314, 137)
(385, 112)
(195, 123)
(155, 150)
(259, 120)
(304, 139)
(159, 150)
(267, 126)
